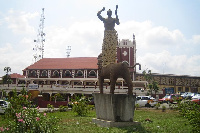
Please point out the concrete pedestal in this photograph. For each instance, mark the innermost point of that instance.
(114, 109)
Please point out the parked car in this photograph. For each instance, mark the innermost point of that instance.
(196, 101)
(145, 101)
(170, 98)
(197, 96)
(188, 95)
(164, 99)
(3, 106)
(184, 95)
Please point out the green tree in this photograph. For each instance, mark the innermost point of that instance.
(147, 75)
(153, 85)
(7, 78)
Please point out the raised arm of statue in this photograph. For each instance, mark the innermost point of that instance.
(99, 14)
(117, 19)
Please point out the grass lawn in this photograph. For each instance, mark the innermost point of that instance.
(158, 121)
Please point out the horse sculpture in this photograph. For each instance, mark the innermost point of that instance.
(113, 72)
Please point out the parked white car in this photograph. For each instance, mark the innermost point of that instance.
(197, 96)
(145, 101)
(3, 106)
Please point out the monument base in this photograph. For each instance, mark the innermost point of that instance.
(114, 110)
(104, 123)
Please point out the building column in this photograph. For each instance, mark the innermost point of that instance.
(61, 71)
(44, 82)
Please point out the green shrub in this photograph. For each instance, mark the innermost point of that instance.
(191, 111)
(24, 118)
(63, 108)
(157, 105)
(17, 102)
(57, 97)
(163, 108)
(29, 120)
(50, 108)
(80, 105)
(91, 107)
(137, 106)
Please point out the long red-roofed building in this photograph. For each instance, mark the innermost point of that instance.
(65, 63)
(60, 69)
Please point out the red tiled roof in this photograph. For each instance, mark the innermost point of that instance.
(65, 63)
(16, 75)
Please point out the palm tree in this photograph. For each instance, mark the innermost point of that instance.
(7, 69)
(153, 85)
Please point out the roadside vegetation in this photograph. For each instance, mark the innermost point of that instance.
(23, 117)
(151, 120)
(190, 111)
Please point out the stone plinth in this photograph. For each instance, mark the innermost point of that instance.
(114, 109)
(104, 123)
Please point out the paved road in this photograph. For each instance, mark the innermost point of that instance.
(45, 109)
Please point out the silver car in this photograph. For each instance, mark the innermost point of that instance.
(3, 106)
(145, 101)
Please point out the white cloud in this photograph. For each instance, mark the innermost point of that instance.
(163, 50)
(17, 59)
(196, 39)
(149, 36)
(18, 22)
(165, 62)
(85, 39)
(157, 36)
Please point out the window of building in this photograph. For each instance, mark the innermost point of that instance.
(186, 89)
(56, 73)
(44, 73)
(92, 73)
(67, 73)
(79, 73)
(179, 89)
(33, 73)
(171, 81)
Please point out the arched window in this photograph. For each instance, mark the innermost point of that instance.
(55, 73)
(67, 73)
(44, 73)
(33, 73)
(79, 73)
(92, 73)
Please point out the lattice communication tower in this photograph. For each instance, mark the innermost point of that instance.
(39, 42)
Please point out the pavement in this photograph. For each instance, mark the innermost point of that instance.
(45, 109)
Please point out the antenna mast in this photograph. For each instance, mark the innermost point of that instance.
(68, 50)
(39, 46)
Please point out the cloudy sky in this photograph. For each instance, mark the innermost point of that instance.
(167, 32)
